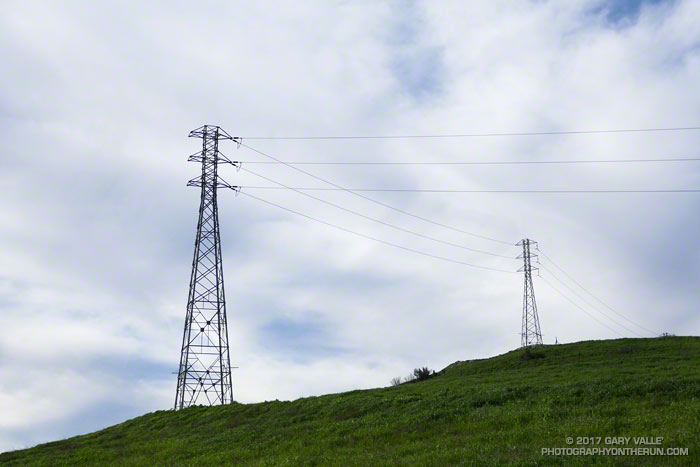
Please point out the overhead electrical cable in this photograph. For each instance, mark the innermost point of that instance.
(511, 162)
(476, 135)
(596, 298)
(418, 190)
(551, 273)
(381, 203)
(369, 237)
(378, 220)
(579, 307)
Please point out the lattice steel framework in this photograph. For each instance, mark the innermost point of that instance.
(204, 375)
(530, 333)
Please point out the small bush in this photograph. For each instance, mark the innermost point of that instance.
(421, 374)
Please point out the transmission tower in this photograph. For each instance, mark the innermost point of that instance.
(204, 375)
(530, 334)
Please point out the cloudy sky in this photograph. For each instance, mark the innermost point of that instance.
(97, 225)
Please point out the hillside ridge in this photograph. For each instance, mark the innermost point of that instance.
(493, 411)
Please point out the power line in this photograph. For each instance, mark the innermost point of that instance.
(424, 219)
(596, 298)
(376, 239)
(589, 303)
(473, 135)
(579, 307)
(456, 262)
(377, 220)
(511, 162)
(417, 190)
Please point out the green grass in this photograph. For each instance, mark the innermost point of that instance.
(495, 411)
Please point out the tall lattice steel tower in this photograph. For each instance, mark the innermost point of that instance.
(204, 375)
(530, 334)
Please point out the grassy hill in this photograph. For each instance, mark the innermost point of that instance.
(481, 412)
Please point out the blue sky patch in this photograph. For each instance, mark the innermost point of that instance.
(416, 65)
(624, 12)
(302, 339)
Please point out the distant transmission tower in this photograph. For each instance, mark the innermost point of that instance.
(204, 375)
(530, 334)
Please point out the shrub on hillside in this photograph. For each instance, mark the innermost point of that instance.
(421, 374)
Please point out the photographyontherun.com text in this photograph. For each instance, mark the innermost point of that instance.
(614, 446)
